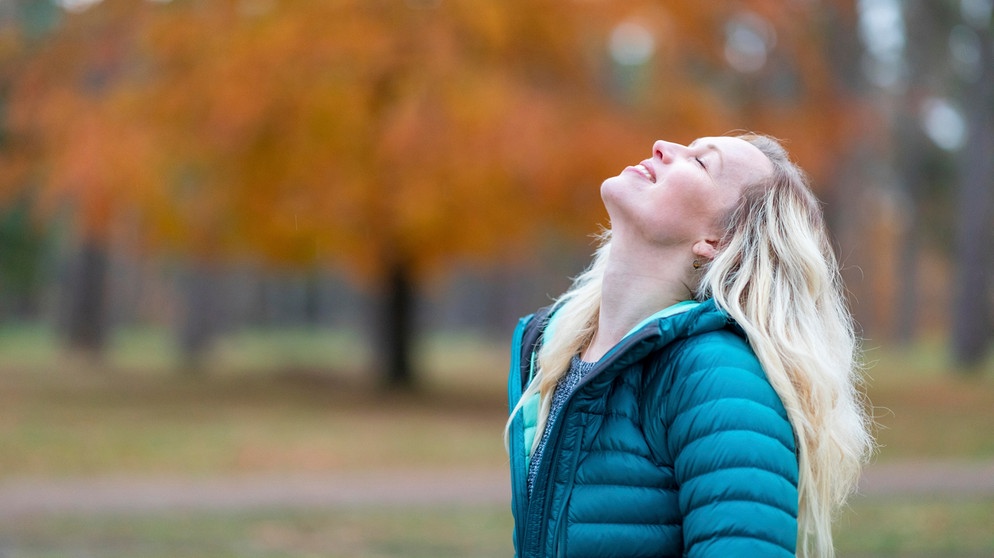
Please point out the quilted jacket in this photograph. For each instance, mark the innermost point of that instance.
(674, 445)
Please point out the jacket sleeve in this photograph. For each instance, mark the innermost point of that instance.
(733, 451)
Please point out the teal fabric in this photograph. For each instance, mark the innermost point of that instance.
(675, 445)
(530, 408)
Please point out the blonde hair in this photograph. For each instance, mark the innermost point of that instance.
(777, 276)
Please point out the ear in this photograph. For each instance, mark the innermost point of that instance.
(706, 248)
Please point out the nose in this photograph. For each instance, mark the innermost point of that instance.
(666, 150)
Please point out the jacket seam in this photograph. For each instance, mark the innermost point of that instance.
(740, 468)
(651, 524)
(698, 439)
(767, 540)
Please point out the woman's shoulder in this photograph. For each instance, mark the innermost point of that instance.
(721, 366)
(711, 365)
(707, 382)
(720, 347)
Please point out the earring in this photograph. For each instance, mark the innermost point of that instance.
(697, 264)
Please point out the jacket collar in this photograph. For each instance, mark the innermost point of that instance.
(678, 308)
(681, 320)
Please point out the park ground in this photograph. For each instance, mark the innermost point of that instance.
(283, 459)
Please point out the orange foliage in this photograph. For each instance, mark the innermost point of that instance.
(370, 131)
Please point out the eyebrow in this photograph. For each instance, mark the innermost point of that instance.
(712, 147)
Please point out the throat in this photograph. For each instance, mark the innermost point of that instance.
(628, 298)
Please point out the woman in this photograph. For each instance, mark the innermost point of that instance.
(694, 392)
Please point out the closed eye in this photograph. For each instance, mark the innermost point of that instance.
(701, 163)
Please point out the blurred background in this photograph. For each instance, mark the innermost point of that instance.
(260, 260)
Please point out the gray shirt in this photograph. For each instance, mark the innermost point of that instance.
(577, 370)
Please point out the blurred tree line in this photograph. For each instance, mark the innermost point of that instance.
(374, 146)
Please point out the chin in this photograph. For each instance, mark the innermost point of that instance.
(615, 184)
(607, 193)
(614, 190)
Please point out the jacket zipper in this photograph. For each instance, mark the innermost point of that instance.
(534, 515)
(563, 521)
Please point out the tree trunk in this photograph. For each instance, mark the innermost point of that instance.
(912, 149)
(396, 329)
(312, 315)
(199, 323)
(972, 320)
(86, 302)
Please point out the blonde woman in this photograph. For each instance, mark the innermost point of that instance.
(695, 392)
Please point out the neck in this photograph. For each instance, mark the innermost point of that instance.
(635, 286)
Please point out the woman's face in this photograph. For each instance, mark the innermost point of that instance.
(677, 196)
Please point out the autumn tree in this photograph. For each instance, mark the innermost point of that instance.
(71, 147)
(392, 137)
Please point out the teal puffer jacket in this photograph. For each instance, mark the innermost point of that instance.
(674, 445)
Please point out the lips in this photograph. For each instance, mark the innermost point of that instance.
(646, 170)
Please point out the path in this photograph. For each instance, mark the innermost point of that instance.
(22, 497)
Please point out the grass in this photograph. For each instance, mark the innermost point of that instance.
(916, 529)
(257, 409)
(152, 351)
(878, 529)
(117, 424)
(480, 532)
(926, 409)
(299, 401)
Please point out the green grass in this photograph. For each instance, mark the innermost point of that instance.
(871, 528)
(120, 424)
(916, 529)
(300, 401)
(153, 351)
(925, 408)
(480, 532)
(279, 401)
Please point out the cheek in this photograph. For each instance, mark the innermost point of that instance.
(692, 211)
(689, 202)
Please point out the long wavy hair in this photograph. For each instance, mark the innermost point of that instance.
(777, 276)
